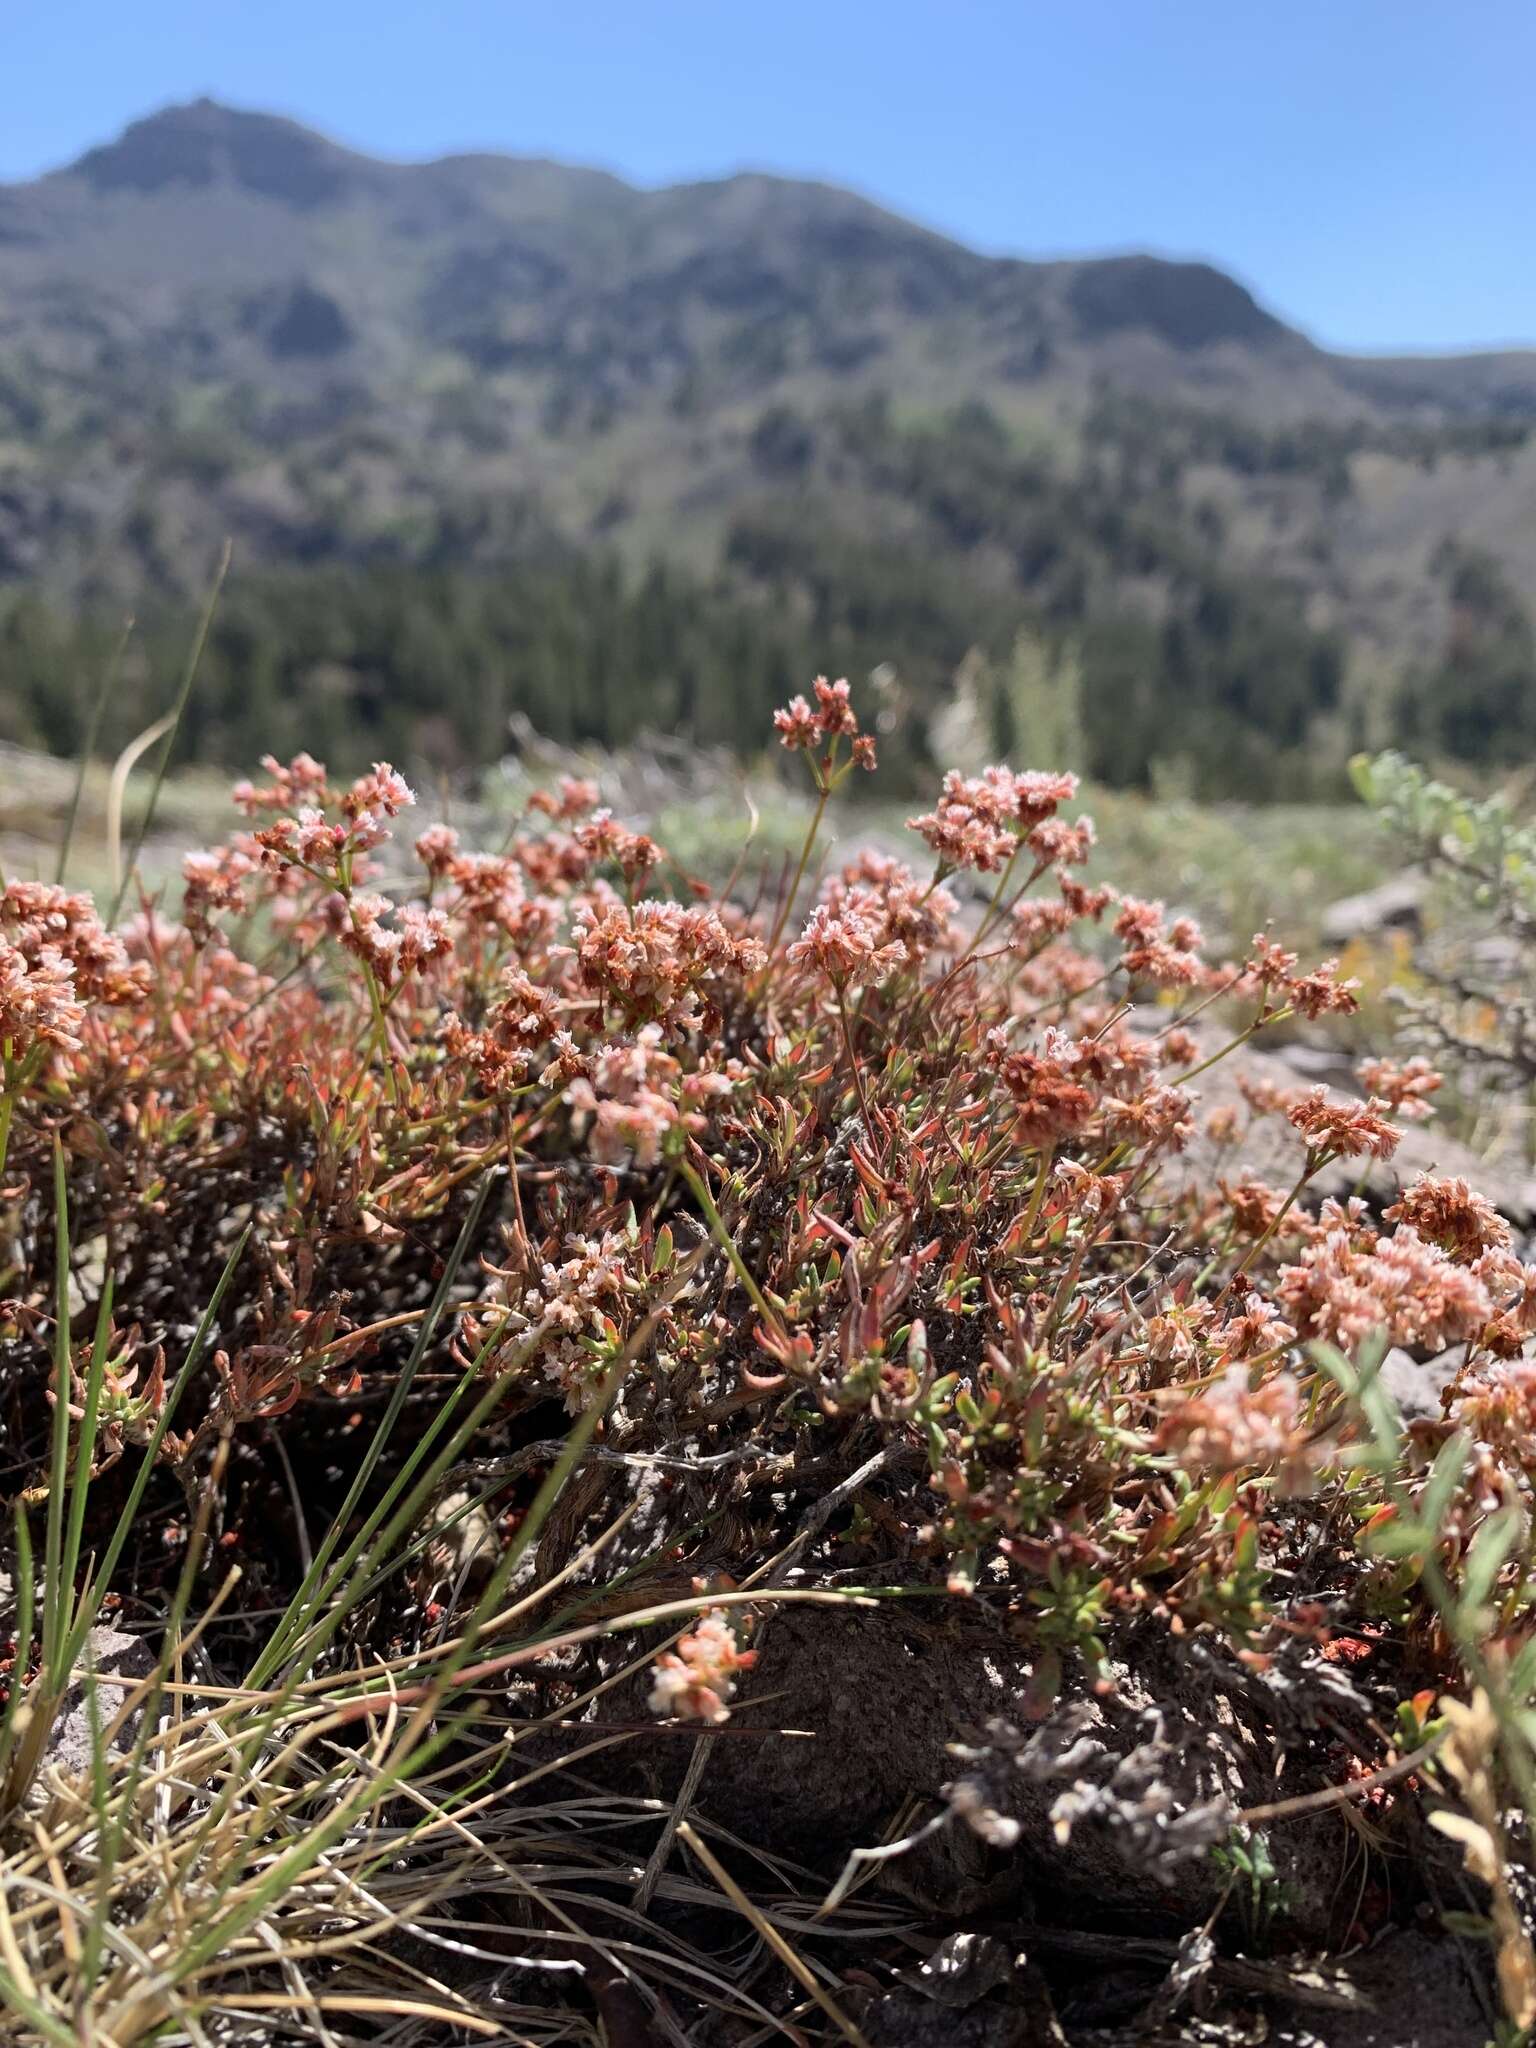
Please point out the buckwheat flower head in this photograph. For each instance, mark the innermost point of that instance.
(1076, 1191)
(213, 881)
(1406, 1087)
(1036, 922)
(382, 792)
(1232, 1426)
(1137, 922)
(438, 849)
(1344, 1130)
(602, 838)
(1498, 1405)
(498, 1064)
(395, 942)
(1259, 1328)
(574, 798)
(302, 782)
(847, 946)
(796, 726)
(1269, 966)
(1157, 1118)
(1059, 844)
(40, 916)
(1051, 1100)
(696, 1681)
(660, 961)
(1449, 1214)
(979, 820)
(1254, 1206)
(805, 728)
(889, 895)
(1400, 1286)
(1038, 793)
(1321, 993)
(1160, 961)
(38, 1002)
(1080, 899)
(834, 712)
(490, 890)
(626, 1129)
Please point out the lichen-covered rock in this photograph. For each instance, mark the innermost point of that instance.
(116, 1662)
(1418, 1990)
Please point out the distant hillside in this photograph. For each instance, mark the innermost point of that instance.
(223, 323)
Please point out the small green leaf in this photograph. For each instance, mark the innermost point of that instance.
(1444, 1478)
(1474, 1926)
(1490, 1548)
(1398, 1539)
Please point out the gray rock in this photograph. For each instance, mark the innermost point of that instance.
(1396, 904)
(1330, 1064)
(1270, 1150)
(972, 1992)
(1416, 1384)
(117, 1662)
(1417, 1992)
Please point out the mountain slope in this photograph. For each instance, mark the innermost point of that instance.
(222, 322)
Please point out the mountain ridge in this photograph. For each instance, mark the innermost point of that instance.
(225, 323)
(206, 151)
(205, 122)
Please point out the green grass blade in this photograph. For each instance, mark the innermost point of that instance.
(58, 1600)
(14, 1999)
(102, 1577)
(393, 1513)
(321, 1578)
(26, 1596)
(109, 676)
(85, 1443)
(168, 744)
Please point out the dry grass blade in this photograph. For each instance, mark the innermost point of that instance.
(117, 790)
(771, 1935)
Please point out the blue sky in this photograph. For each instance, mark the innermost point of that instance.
(1369, 168)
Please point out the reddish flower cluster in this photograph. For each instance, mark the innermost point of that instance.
(56, 961)
(1449, 1214)
(1233, 1426)
(862, 1162)
(805, 728)
(1169, 957)
(1351, 1284)
(660, 960)
(981, 821)
(696, 1681)
(1405, 1087)
(888, 899)
(845, 944)
(1343, 1130)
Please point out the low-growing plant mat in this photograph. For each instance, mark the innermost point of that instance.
(600, 1459)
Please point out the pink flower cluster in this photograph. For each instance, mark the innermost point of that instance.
(1233, 1425)
(848, 944)
(307, 837)
(1170, 957)
(695, 1681)
(631, 1094)
(394, 939)
(806, 728)
(890, 900)
(56, 959)
(980, 821)
(660, 960)
(1349, 1284)
(1343, 1130)
(1405, 1087)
